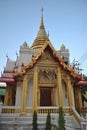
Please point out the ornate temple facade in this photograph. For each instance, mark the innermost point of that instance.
(42, 80)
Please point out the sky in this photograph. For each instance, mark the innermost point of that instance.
(65, 20)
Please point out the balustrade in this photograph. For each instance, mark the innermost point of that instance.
(10, 109)
(45, 110)
(40, 110)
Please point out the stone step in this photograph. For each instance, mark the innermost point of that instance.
(26, 121)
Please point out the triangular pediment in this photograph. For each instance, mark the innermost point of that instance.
(47, 57)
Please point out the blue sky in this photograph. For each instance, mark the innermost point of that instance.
(66, 21)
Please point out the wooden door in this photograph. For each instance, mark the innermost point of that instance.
(45, 97)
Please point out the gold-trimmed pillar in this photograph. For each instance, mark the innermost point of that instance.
(24, 94)
(38, 93)
(78, 98)
(6, 100)
(59, 87)
(35, 89)
(69, 89)
(9, 95)
(53, 97)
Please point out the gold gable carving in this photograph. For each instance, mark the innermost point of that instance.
(47, 77)
(46, 56)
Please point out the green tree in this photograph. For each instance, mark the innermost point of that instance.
(61, 121)
(48, 122)
(85, 77)
(35, 127)
(84, 90)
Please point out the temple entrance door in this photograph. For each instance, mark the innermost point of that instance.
(45, 97)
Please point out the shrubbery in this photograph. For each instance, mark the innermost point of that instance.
(61, 121)
(48, 122)
(35, 127)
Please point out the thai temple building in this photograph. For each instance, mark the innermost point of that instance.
(41, 79)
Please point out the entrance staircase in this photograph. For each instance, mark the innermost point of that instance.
(16, 122)
(13, 121)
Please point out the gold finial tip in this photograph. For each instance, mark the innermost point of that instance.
(62, 47)
(42, 9)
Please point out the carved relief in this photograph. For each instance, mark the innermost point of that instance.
(46, 56)
(47, 76)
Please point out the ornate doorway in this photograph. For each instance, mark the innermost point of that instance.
(45, 96)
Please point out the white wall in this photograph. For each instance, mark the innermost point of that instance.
(18, 95)
(29, 94)
(65, 96)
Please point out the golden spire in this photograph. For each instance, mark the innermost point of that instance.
(41, 36)
(42, 25)
(42, 32)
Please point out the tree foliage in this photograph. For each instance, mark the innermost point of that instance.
(61, 121)
(85, 77)
(48, 122)
(35, 127)
(84, 90)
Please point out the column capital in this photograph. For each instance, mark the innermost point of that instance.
(68, 78)
(25, 77)
(36, 68)
(58, 70)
